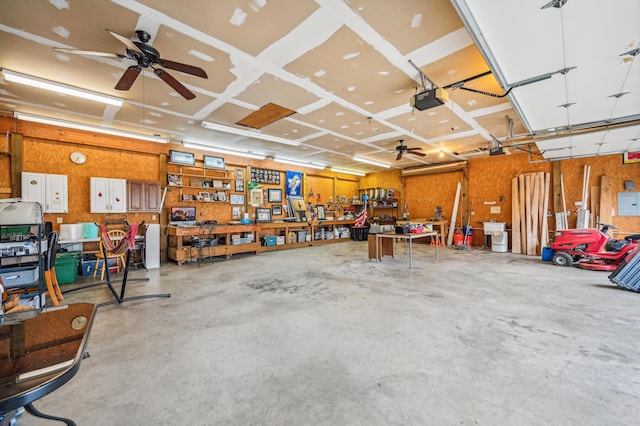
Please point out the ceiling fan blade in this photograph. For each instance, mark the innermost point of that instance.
(88, 52)
(399, 156)
(414, 149)
(127, 79)
(187, 69)
(175, 84)
(130, 45)
(419, 154)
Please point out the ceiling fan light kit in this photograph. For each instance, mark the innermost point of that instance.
(53, 86)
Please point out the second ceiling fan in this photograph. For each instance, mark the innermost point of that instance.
(145, 56)
(401, 149)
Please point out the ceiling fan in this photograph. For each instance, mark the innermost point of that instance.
(146, 57)
(403, 148)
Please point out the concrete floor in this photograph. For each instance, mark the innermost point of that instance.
(322, 336)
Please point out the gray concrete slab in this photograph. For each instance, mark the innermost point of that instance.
(323, 336)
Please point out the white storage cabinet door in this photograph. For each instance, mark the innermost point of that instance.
(56, 197)
(51, 191)
(108, 195)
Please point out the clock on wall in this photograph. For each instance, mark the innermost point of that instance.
(78, 157)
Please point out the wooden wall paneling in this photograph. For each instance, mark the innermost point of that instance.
(556, 172)
(515, 217)
(17, 160)
(464, 197)
(594, 206)
(605, 200)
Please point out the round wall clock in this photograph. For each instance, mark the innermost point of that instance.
(78, 157)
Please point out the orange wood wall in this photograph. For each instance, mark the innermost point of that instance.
(47, 149)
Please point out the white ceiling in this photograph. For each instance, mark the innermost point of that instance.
(344, 67)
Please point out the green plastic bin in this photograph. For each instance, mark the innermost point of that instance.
(67, 267)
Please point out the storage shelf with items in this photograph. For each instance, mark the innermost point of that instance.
(201, 184)
(382, 204)
(229, 240)
(23, 248)
(287, 235)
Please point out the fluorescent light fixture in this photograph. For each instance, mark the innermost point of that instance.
(375, 163)
(300, 163)
(247, 133)
(350, 172)
(223, 150)
(446, 167)
(40, 83)
(88, 127)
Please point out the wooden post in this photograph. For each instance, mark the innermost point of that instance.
(527, 190)
(515, 217)
(532, 246)
(17, 159)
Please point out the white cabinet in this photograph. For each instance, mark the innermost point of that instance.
(108, 195)
(49, 190)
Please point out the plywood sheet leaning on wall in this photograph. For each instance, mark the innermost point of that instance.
(515, 217)
(454, 216)
(605, 200)
(530, 194)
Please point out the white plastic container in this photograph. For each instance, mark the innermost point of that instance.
(71, 231)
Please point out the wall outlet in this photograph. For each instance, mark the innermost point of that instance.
(473, 213)
(58, 220)
(153, 217)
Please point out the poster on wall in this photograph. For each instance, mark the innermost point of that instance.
(294, 183)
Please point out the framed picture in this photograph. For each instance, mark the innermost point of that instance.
(204, 196)
(263, 215)
(320, 210)
(180, 157)
(236, 199)
(239, 173)
(235, 212)
(275, 195)
(212, 162)
(294, 183)
(276, 210)
(257, 199)
(239, 186)
(221, 196)
(631, 157)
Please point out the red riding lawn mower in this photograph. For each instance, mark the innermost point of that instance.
(591, 248)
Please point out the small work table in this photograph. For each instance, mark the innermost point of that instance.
(441, 223)
(40, 353)
(405, 237)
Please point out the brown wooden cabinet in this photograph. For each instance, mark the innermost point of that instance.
(143, 196)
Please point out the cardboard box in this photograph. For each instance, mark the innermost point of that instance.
(280, 240)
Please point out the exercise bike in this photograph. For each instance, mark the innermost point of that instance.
(591, 248)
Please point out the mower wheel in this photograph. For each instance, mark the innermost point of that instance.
(562, 259)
